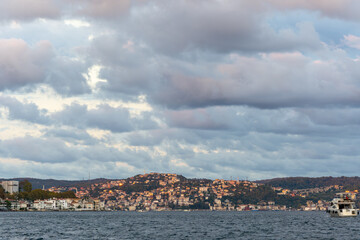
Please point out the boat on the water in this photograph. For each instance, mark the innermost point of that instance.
(343, 206)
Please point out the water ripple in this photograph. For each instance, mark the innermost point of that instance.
(175, 225)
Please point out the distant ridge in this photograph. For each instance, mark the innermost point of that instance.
(310, 182)
(286, 182)
(39, 183)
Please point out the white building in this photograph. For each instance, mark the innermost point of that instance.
(10, 186)
(49, 204)
(68, 204)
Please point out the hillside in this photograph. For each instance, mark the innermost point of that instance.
(287, 182)
(307, 182)
(47, 183)
(172, 191)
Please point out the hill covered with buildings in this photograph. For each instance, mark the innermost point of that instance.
(164, 191)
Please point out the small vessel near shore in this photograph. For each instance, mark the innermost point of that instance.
(342, 206)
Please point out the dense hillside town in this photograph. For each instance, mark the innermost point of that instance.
(164, 192)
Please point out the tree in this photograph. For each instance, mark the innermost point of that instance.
(8, 204)
(25, 186)
(38, 194)
(68, 194)
(2, 192)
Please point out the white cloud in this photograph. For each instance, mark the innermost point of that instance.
(93, 78)
(77, 23)
(352, 41)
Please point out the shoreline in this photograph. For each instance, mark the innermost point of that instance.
(144, 211)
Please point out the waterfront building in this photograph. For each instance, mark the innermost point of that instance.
(10, 186)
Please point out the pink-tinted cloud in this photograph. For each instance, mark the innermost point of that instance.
(29, 9)
(198, 119)
(352, 41)
(269, 81)
(344, 9)
(21, 64)
(102, 8)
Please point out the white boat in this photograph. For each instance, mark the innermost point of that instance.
(342, 206)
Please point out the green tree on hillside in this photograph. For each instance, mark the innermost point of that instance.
(25, 186)
(41, 194)
(2, 192)
(8, 204)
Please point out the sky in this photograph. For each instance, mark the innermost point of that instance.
(207, 89)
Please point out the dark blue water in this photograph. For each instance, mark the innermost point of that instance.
(176, 225)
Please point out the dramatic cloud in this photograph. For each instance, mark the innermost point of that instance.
(249, 89)
(179, 26)
(270, 81)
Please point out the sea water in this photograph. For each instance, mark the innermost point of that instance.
(176, 225)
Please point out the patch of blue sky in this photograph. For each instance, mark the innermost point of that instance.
(64, 38)
(330, 30)
(289, 19)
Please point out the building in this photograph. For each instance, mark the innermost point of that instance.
(10, 186)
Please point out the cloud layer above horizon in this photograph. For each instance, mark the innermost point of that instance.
(215, 89)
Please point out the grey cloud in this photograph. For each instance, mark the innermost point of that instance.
(255, 155)
(71, 170)
(131, 81)
(29, 9)
(128, 67)
(234, 96)
(145, 121)
(138, 159)
(155, 137)
(102, 117)
(206, 158)
(178, 26)
(23, 65)
(38, 150)
(66, 77)
(304, 157)
(72, 115)
(106, 117)
(173, 82)
(199, 119)
(333, 116)
(73, 135)
(20, 64)
(265, 81)
(148, 138)
(237, 121)
(271, 81)
(24, 111)
(53, 150)
(103, 9)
